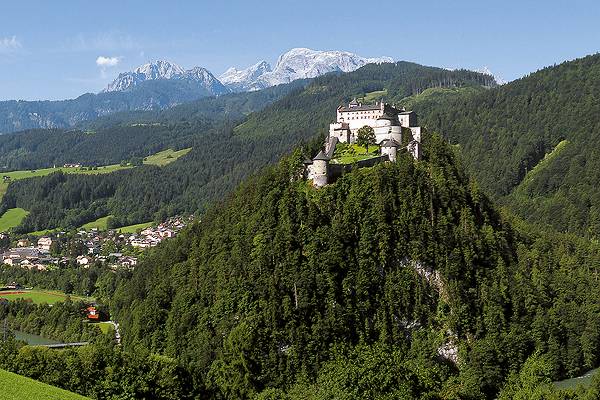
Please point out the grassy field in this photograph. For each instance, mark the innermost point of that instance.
(349, 153)
(16, 175)
(161, 158)
(374, 96)
(100, 224)
(17, 387)
(165, 157)
(12, 218)
(134, 228)
(105, 327)
(39, 296)
(540, 166)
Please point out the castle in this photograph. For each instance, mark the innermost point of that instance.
(395, 129)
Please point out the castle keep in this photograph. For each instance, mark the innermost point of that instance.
(395, 130)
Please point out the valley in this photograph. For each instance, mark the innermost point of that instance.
(309, 224)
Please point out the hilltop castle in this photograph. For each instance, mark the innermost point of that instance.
(395, 129)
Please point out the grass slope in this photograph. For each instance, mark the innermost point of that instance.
(16, 175)
(100, 224)
(161, 158)
(540, 167)
(12, 218)
(165, 157)
(39, 296)
(134, 228)
(16, 387)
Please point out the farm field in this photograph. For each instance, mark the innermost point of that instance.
(38, 296)
(12, 218)
(17, 387)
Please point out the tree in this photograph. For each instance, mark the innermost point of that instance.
(365, 136)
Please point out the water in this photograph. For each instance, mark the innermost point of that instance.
(34, 340)
(584, 380)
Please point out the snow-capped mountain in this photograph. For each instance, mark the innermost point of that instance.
(238, 80)
(165, 70)
(298, 63)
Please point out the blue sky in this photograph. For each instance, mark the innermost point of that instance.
(49, 49)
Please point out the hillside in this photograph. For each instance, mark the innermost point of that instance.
(505, 132)
(16, 387)
(121, 136)
(293, 292)
(221, 157)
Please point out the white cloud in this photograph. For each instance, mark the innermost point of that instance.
(9, 44)
(104, 62)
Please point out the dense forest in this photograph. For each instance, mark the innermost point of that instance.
(506, 132)
(18, 115)
(285, 291)
(122, 136)
(222, 157)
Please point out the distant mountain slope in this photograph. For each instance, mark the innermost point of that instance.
(121, 136)
(161, 70)
(505, 132)
(141, 90)
(223, 157)
(298, 63)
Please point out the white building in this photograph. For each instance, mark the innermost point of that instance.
(386, 120)
(44, 243)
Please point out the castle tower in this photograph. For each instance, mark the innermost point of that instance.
(388, 127)
(414, 148)
(390, 148)
(319, 170)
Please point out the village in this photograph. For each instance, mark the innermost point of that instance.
(86, 247)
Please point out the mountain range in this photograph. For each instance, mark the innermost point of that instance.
(298, 63)
(162, 84)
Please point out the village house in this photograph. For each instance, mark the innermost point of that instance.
(44, 243)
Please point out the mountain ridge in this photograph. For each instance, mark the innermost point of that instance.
(296, 63)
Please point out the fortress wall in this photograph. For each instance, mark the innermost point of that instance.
(337, 170)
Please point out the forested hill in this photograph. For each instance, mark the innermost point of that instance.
(150, 95)
(371, 287)
(222, 156)
(505, 133)
(122, 136)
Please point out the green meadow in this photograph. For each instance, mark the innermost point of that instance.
(17, 387)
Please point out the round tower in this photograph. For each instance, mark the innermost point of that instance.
(390, 148)
(320, 168)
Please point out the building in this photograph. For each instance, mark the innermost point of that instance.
(44, 243)
(395, 131)
(386, 120)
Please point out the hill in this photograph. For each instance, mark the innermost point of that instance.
(222, 156)
(16, 387)
(531, 143)
(292, 292)
(122, 136)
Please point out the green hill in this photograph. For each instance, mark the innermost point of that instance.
(363, 289)
(505, 132)
(16, 387)
(222, 156)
